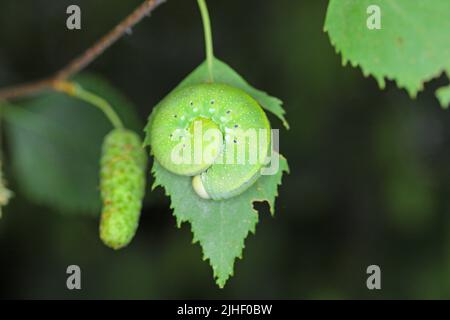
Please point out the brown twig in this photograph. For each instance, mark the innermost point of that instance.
(84, 59)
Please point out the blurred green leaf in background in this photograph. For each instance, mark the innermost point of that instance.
(55, 143)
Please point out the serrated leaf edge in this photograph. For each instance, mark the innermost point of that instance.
(381, 80)
(179, 221)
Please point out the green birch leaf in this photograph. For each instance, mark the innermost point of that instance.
(219, 226)
(412, 46)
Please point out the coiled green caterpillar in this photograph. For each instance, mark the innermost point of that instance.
(230, 160)
(122, 185)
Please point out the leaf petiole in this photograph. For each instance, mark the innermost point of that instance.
(208, 37)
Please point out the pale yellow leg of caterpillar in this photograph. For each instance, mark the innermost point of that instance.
(199, 188)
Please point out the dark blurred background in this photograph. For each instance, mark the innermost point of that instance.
(370, 168)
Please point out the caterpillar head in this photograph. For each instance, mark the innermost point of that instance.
(215, 133)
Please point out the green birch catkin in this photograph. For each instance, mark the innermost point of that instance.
(122, 184)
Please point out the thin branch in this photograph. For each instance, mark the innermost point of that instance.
(84, 59)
